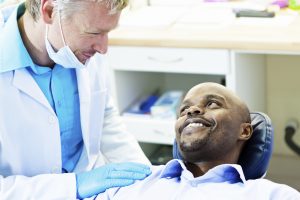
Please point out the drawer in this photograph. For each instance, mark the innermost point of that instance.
(151, 130)
(174, 60)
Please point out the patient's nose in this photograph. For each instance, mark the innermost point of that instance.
(194, 110)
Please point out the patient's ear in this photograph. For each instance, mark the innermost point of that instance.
(246, 131)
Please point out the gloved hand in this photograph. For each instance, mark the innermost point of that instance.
(111, 175)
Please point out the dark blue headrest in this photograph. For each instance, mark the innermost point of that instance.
(257, 152)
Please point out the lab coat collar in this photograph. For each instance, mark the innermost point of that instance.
(11, 43)
(24, 82)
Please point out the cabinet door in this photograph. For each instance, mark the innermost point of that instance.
(174, 60)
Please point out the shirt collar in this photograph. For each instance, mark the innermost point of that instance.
(173, 169)
(13, 54)
(228, 172)
(225, 172)
(39, 70)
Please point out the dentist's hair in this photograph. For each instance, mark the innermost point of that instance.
(68, 7)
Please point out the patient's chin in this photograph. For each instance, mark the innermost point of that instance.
(192, 146)
(186, 147)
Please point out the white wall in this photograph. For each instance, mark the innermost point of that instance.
(283, 103)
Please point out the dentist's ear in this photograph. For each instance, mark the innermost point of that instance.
(46, 11)
(246, 131)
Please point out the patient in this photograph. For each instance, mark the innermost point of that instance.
(212, 127)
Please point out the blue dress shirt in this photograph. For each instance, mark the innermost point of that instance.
(59, 86)
(174, 181)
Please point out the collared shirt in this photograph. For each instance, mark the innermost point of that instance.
(174, 181)
(59, 86)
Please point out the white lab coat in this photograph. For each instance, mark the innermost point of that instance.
(30, 148)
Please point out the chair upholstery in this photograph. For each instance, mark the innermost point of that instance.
(257, 152)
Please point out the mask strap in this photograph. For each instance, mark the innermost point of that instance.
(60, 28)
(47, 28)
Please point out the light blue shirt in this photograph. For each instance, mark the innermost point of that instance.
(174, 181)
(59, 86)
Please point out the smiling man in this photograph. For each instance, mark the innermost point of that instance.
(212, 127)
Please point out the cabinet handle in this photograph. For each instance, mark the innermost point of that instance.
(165, 60)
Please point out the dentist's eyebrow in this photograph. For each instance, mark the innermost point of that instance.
(99, 31)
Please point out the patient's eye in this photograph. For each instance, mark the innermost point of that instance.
(213, 104)
(183, 109)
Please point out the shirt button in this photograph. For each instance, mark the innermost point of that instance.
(51, 119)
(58, 103)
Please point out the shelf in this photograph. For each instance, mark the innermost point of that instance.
(159, 131)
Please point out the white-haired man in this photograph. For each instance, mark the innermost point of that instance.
(60, 134)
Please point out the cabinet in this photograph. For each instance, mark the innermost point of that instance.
(141, 70)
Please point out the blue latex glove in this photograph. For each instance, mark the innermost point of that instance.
(111, 175)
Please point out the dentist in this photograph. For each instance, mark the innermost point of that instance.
(60, 134)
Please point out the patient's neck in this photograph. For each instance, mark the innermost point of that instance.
(195, 170)
(199, 169)
(204, 164)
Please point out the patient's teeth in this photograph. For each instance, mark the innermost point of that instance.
(195, 125)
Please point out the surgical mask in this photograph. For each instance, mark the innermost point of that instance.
(64, 56)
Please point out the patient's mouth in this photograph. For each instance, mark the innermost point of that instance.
(196, 123)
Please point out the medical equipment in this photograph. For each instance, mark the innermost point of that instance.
(166, 106)
(290, 130)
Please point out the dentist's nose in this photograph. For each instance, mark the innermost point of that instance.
(100, 45)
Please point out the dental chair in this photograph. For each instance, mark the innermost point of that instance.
(256, 153)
